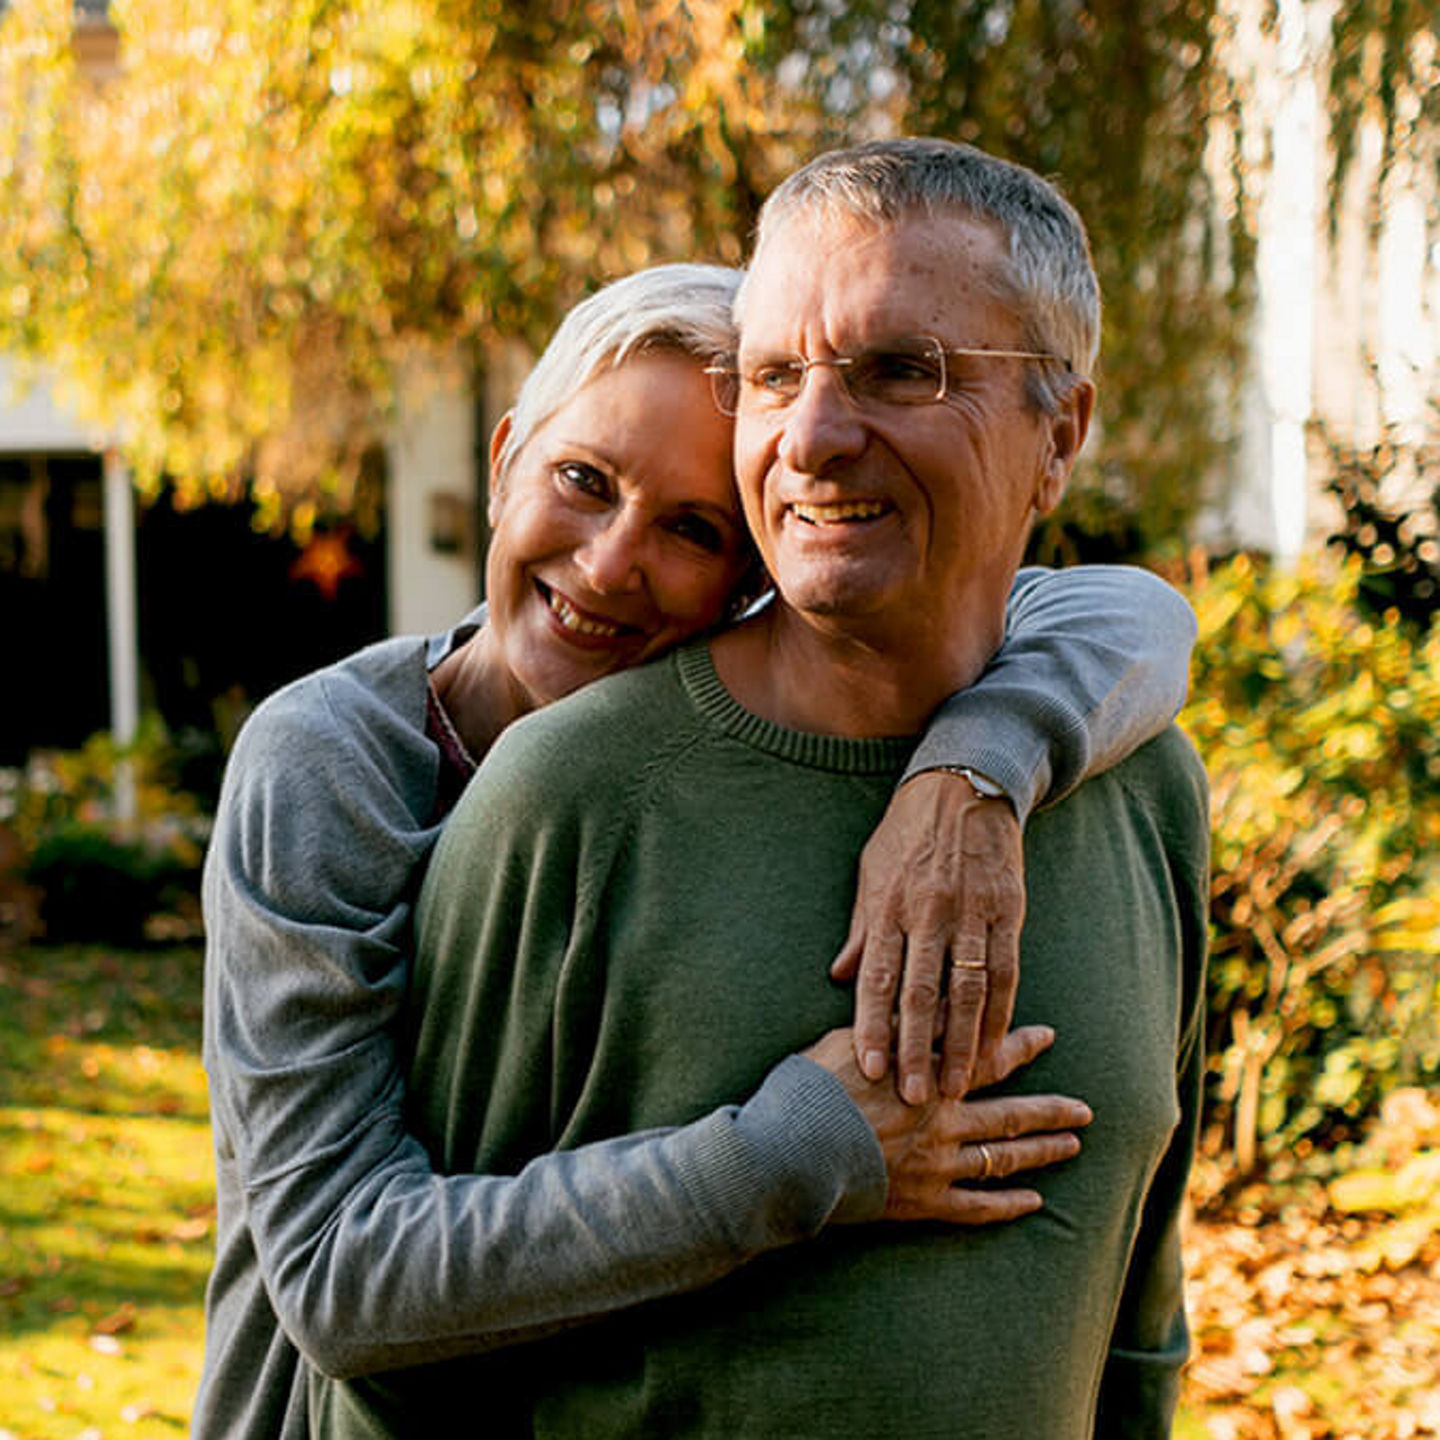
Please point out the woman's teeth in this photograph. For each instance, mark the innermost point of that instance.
(573, 620)
(839, 511)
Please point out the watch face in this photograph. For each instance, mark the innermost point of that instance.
(982, 785)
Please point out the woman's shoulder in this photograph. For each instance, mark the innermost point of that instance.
(381, 687)
(359, 722)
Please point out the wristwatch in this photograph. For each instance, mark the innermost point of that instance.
(983, 786)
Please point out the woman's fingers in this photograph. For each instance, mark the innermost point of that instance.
(959, 1206)
(1008, 1116)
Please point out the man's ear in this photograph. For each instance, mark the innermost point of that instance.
(497, 484)
(1068, 429)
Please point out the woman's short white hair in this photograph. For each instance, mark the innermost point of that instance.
(679, 309)
(1049, 280)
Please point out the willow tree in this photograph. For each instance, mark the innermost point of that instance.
(228, 246)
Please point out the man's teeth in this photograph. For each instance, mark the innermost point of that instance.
(572, 619)
(839, 511)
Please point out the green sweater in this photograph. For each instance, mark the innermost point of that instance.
(670, 875)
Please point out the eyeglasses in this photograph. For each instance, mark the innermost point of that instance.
(909, 372)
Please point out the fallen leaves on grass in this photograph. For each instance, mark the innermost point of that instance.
(1315, 1309)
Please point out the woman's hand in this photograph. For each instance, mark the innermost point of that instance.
(941, 880)
(938, 1152)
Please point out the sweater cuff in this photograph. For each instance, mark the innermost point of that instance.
(801, 1156)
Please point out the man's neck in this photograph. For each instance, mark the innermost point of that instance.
(805, 674)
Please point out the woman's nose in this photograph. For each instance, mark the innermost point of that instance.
(612, 559)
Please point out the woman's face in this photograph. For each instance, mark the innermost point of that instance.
(616, 532)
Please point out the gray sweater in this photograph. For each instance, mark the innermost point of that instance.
(336, 1241)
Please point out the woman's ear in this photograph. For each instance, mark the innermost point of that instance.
(1068, 429)
(496, 501)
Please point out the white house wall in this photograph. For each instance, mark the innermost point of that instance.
(31, 419)
(433, 486)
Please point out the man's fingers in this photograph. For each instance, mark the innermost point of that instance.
(1017, 1049)
(1002, 957)
(919, 1007)
(847, 962)
(969, 985)
(879, 975)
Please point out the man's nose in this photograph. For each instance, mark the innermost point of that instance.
(823, 425)
(612, 559)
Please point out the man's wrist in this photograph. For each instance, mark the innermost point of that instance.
(984, 787)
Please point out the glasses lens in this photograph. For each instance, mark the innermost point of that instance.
(773, 383)
(910, 373)
(724, 388)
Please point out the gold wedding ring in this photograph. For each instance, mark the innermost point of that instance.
(968, 965)
(987, 1160)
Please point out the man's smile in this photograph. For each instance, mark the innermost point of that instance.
(838, 512)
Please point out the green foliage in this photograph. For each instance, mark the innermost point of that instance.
(1321, 732)
(101, 877)
(228, 246)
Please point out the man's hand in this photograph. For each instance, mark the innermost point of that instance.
(937, 1152)
(935, 934)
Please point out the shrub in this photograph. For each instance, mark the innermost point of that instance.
(1321, 733)
(102, 876)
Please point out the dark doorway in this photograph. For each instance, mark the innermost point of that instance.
(52, 601)
(226, 614)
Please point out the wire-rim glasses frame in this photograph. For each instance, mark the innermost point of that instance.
(907, 372)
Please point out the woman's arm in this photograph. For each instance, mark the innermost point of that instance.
(370, 1259)
(1095, 662)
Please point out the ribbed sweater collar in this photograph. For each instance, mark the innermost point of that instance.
(838, 753)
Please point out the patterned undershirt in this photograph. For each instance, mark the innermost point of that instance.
(456, 763)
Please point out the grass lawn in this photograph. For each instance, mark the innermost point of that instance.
(1303, 1328)
(106, 1213)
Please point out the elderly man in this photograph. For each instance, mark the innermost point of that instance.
(669, 859)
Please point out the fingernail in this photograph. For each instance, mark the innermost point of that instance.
(872, 1063)
(914, 1091)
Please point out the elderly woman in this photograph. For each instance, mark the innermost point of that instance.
(617, 534)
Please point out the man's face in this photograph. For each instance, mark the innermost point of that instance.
(872, 514)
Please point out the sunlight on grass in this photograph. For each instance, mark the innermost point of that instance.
(106, 1195)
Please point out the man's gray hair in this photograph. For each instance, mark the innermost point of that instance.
(1049, 280)
(679, 309)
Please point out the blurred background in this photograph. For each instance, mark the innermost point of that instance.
(269, 274)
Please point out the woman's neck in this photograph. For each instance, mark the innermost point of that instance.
(479, 693)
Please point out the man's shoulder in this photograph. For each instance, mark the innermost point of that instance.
(1169, 770)
(1161, 785)
(603, 725)
(588, 749)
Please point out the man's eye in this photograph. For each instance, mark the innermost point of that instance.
(584, 478)
(896, 373)
(780, 379)
(699, 532)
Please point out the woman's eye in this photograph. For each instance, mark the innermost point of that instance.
(699, 531)
(584, 478)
